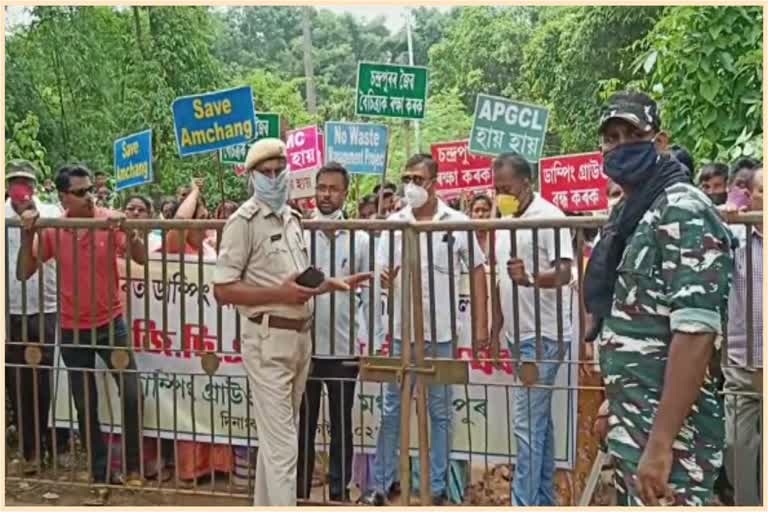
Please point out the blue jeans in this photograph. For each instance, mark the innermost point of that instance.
(533, 484)
(440, 405)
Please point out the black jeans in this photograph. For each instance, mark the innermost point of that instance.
(19, 384)
(83, 388)
(340, 380)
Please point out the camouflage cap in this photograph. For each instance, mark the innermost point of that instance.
(21, 169)
(263, 150)
(635, 108)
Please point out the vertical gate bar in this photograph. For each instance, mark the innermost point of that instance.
(40, 372)
(515, 301)
(374, 299)
(750, 298)
(491, 257)
(92, 271)
(559, 297)
(332, 297)
(536, 294)
(413, 253)
(579, 256)
(391, 291)
(419, 320)
(405, 358)
(473, 306)
(147, 288)
(313, 262)
(352, 294)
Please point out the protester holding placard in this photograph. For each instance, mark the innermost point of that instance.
(262, 255)
(192, 207)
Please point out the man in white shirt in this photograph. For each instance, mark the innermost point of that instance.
(336, 254)
(538, 269)
(31, 319)
(450, 250)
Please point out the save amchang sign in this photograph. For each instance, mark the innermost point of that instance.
(214, 120)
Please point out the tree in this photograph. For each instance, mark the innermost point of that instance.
(21, 142)
(481, 52)
(571, 52)
(705, 65)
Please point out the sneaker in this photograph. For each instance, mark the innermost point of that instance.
(134, 480)
(97, 497)
(24, 467)
(372, 499)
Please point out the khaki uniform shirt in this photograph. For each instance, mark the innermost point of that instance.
(263, 248)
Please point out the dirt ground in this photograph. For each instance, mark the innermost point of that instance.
(488, 487)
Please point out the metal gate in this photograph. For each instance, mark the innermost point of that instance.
(210, 392)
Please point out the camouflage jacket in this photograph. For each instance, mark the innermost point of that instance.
(673, 277)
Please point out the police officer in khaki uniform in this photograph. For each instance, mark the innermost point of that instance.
(262, 251)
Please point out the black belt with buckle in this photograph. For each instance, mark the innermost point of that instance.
(288, 324)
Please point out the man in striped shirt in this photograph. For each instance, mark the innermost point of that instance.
(742, 400)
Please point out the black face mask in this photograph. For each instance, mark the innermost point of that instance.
(628, 164)
(718, 199)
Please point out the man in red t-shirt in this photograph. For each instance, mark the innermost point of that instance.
(91, 313)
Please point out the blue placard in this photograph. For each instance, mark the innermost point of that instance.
(133, 160)
(215, 120)
(360, 147)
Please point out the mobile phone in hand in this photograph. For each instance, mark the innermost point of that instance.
(310, 278)
(739, 198)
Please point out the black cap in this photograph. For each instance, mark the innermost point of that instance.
(636, 108)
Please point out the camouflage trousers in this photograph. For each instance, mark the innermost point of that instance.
(687, 491)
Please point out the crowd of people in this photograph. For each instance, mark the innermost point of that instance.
(667, 280)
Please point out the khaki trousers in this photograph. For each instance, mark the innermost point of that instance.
(743, 436)
(277, 362)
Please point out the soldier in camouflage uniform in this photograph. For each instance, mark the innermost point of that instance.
(657, 286)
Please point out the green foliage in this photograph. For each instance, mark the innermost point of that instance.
(24, 144)
(481, 52)
(568, 56)
(705, 63)
(79, 77)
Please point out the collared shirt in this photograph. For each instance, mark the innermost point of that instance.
(332, 331)
(90, 294)
(546, 253)
(13, 239)
(738, 304)
(263, 248)
(674, 276)
(447, 249)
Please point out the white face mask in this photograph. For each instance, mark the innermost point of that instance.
(415, 195)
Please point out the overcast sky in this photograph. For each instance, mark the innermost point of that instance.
(393, 15)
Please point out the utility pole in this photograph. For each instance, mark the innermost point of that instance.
(309, 70)
(408, 20)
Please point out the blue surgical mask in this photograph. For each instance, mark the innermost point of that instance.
(272, 191)
(629, 164)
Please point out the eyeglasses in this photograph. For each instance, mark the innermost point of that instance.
(417, 180)
(82, 192)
